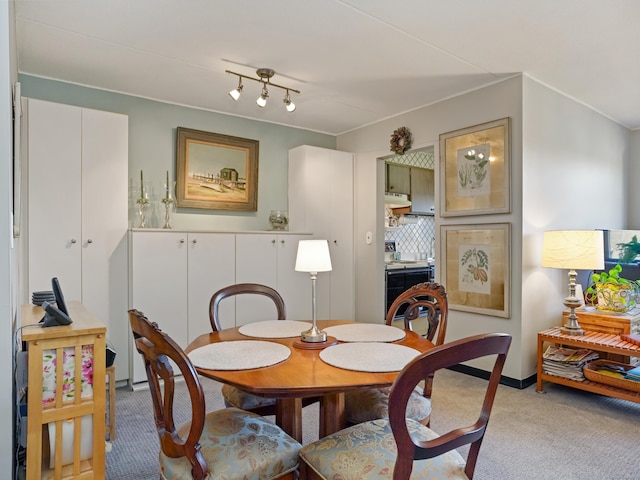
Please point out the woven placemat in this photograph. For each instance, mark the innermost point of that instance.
(369, 356)
(366, 332)
(274, 329)
(239, 355)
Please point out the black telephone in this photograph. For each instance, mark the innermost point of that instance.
(54, 316)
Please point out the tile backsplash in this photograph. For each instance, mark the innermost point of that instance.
(415, 237)
(417, 234)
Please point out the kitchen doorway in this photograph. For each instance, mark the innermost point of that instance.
(409, 218)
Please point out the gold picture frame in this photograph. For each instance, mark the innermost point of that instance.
(475, 165)
(217, 172)
(477, 266)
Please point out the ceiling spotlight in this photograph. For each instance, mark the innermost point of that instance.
(235, 93)
(264, 75)
(262, 99)
(289, 105)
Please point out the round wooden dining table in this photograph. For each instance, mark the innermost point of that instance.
(304, 374)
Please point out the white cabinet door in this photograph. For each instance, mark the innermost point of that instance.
(159, 286)
(105, 290)
(54, 197)
(211, 267)
(77, 211)
(256, 262)
(295, 287)
(321, 202)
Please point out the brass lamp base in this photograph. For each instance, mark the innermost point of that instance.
(313, 335)
(571, 330)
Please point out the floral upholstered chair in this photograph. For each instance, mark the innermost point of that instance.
(229, 443)
(399, 448)
(429, 302)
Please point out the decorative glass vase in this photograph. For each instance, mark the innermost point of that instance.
(279, 219)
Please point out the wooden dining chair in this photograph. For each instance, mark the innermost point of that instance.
(227, 443)
(233, 396)
(427, 302)
(399, 448)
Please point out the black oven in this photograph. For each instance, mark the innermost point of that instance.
(400, 279)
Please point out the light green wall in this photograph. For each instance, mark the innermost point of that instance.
(152, 147)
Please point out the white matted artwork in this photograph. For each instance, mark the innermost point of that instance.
(475, 170)
(477, 267)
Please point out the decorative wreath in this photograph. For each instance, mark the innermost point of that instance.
(401, 140)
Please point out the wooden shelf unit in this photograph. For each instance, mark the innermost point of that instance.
(86, 329)
(597, 341)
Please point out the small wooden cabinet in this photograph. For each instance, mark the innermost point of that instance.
(600, 321)
(61, 413)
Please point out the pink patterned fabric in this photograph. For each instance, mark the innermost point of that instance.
(68, 368)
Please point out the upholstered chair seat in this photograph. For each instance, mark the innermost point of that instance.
(364, 404)
(235, 397)
(367, 451)
(237, 445)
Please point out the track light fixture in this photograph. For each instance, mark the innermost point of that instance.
(289, 105)
(264, 75)
(235, 93)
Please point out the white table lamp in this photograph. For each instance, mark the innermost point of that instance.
(313, 257)
(575, 250)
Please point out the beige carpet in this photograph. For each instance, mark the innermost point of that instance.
(564, 434)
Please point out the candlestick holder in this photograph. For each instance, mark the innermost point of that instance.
(143, 205)
(169, 203)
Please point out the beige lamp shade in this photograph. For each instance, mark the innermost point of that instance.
(313, 256)
(573, 249)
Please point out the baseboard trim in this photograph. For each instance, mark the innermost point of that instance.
(508, 381)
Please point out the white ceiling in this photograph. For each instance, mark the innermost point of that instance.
(354, 61)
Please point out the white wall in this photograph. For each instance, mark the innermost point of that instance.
(574, 166)
(562, 155)
(152, 148)
(7, 256)
(372, 142)
(633, 183)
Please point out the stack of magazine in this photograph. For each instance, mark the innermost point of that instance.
(566, 362)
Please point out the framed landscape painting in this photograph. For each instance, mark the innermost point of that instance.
(476, 269)
(215, 171)
(475, 166)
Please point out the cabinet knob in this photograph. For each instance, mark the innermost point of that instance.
(335, 242)
(195, 240)
(89, 241)
(282, 241)
(73, 240)
(182, 240)
(273, 241)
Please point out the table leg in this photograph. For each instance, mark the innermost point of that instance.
(331, 413)
(289, 416)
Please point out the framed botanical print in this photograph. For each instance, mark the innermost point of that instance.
(475, 166)
(215, 171)
(476, 268)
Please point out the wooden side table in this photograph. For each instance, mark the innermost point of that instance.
(597, 341)
(64, 410)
